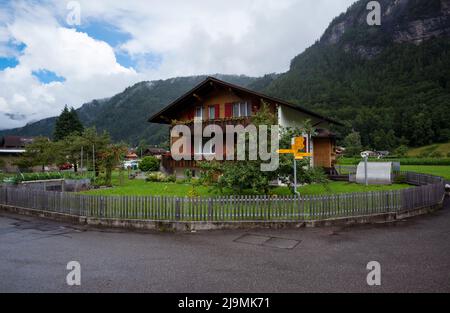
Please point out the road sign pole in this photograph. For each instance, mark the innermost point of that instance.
(365, 171)
(295, 178)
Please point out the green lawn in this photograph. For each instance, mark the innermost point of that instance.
(342, 187)
(142, 188)
(438, 170)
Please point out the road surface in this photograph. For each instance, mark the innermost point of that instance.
(414, 256)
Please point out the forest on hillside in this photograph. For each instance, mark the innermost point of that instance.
(402, 96)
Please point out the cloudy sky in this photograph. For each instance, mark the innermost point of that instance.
(51, 56)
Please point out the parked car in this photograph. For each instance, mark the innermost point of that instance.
(65, 167)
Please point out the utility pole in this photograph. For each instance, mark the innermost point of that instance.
(81, 162)
(365, 171)
(93, 159)
(365, 156)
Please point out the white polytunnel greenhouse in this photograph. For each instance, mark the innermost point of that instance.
(378, 173)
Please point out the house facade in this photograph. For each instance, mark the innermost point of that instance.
(11, 149)
(220, 103)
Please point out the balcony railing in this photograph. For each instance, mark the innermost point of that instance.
(244, 121)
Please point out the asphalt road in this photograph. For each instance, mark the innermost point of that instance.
(414, 257)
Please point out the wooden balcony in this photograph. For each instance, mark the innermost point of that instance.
(244, 121)
(170, 164)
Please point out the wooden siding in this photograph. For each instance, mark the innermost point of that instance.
(323, 152)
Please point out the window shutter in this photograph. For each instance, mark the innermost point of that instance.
(228, 109)
(191, 113)
(254, 108)
(217, 111)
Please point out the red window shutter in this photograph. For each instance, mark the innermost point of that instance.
(217, 111)
(228, 109)
(191, 113)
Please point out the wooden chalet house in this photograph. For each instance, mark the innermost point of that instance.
(221, 103)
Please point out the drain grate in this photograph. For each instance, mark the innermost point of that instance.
(275, 242)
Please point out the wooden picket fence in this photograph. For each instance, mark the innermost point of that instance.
(429, 192)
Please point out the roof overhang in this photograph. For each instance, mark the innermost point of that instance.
(210, 84)
(12, 151)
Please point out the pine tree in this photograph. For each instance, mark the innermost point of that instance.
(67, 123)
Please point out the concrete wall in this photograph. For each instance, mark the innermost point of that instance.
(202, 226)
(68, 185)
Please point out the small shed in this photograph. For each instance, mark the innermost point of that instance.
(378, 173)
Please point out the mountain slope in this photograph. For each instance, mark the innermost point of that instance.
(390, 82)
(125, 115)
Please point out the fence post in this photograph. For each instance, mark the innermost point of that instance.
(210, 209)
(102, 206)
(177, 209)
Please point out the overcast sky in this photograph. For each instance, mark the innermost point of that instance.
(47, 62)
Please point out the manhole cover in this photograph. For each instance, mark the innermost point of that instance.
(275, 242)
(281, 243)
(252, 239)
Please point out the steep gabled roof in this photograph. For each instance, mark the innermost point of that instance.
(208, 85)
(14, 141)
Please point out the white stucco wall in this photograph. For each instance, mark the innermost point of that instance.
(288, 117)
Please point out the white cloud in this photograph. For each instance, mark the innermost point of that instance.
(89, 67)
(235, 36)
(250, 37)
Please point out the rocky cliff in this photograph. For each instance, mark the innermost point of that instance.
(402, 21)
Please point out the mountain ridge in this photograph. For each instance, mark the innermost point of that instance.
(390, 82)
(125, 114)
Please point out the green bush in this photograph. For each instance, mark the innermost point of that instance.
(171, 179)
(401, 151)
(313, 175)
(448, 155)
(99, 181)
(187, 175)
(24, 177)
(155, 177)
(149, 164)
(38, 176)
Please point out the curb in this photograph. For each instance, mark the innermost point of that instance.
(180, 226)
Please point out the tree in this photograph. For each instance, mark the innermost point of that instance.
(149, 164)
(285, 170)
(70, 150)
(241, 175)
(41, 152)
(94, 143)
(67, 123)
(142, 147)
(401, 151)
(352, 144)
(110, 157)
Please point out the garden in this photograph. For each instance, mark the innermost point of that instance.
(140, 187)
